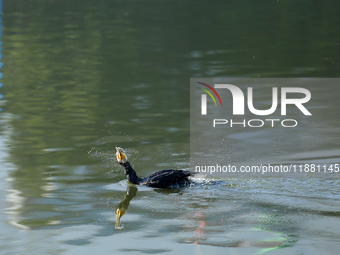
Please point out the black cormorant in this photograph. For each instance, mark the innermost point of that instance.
(161, 179)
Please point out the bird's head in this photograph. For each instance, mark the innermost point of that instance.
(121, 156)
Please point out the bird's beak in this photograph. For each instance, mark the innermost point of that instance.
(118, 216)
(118, 154)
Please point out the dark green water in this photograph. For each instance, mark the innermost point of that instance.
(81, 77)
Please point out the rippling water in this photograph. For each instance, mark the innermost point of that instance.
(81, 77)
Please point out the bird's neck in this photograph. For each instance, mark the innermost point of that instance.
(131, 174)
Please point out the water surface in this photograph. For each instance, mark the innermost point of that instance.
(81, 77)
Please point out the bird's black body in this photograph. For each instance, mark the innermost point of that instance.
(162, 179)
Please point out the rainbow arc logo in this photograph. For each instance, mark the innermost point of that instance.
(208, 92)
(204, 97)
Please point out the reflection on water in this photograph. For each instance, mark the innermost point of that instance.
(124, 204)
(81, 77)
